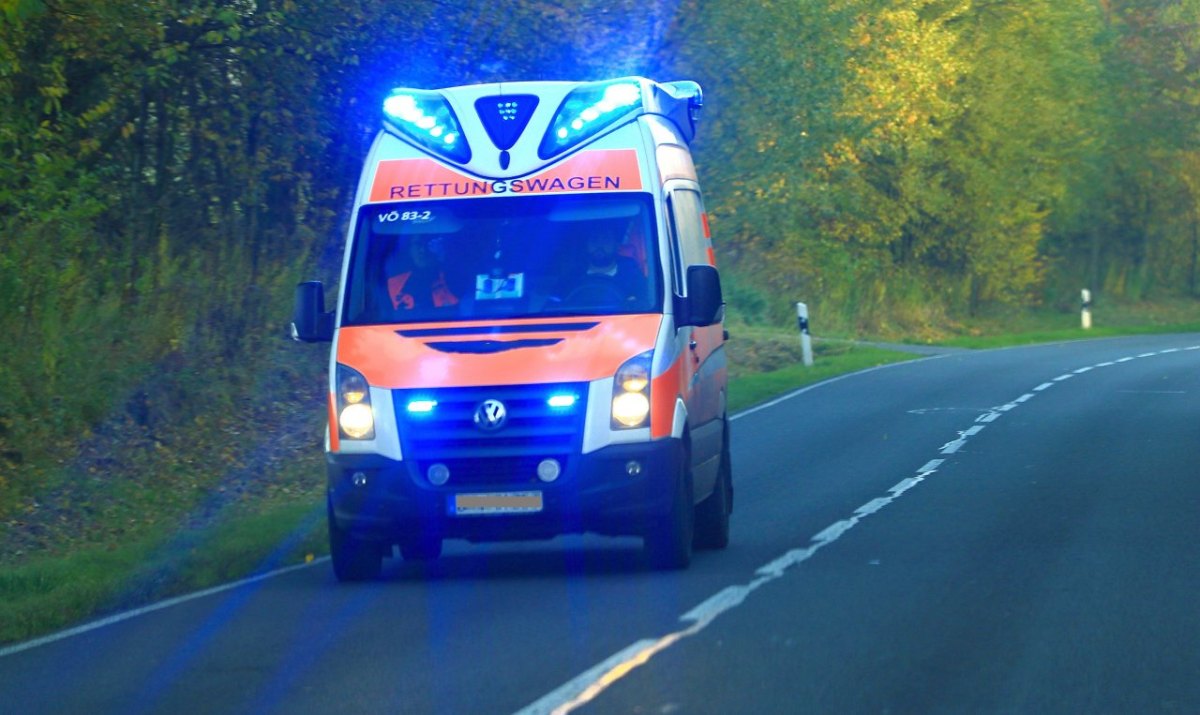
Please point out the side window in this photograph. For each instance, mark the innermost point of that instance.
(673, 242)
(686, 210)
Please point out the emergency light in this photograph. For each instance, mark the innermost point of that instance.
(587, 111)
(427, 118)
(561, 401)
(505, 117)
(421, 407)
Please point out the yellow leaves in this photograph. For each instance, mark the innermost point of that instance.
(775, 188)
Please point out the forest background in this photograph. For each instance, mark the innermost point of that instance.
(170, 169)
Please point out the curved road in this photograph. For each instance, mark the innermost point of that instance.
(999, 531)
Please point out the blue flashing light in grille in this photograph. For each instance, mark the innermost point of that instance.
(421, 407)
(562, 401)
(427, 118)
(587, 111)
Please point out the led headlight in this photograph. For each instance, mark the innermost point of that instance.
(356, 419)
(631, 393)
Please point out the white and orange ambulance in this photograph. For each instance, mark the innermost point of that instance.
(528, 338)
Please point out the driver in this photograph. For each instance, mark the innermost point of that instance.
(605, 262)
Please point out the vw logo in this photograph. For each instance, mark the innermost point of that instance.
(490, 415)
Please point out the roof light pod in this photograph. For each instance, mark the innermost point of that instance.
(587, 111)
(427, 118)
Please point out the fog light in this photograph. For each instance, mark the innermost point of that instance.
(438, 474)
(548, 470)
(633, 468)
(359, 479)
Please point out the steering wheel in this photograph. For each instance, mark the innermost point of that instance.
(595, 291)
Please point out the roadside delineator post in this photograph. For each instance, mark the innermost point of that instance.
(805, 338)
(1085, 310)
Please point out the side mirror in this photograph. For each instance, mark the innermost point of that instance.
(704, 304)
(310, 322)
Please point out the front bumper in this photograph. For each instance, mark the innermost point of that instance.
(381, 499)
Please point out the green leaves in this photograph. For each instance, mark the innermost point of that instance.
(16, 11)
(981, 153)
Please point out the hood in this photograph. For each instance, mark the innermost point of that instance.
(513, 352)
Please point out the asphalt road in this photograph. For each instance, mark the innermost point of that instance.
(1000, 531)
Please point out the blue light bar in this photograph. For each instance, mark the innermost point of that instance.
(587, 111)
(427, 118)
(421, 407)
(562, 401)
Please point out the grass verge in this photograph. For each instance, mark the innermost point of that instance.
(1061, 334)
(1008, 328)
(830, 361)
(51, 593)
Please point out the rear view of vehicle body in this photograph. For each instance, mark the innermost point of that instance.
(527, 339)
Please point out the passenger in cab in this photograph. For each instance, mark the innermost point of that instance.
(423, 284)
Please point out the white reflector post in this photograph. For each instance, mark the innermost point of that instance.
(805, 338)
(1085, 311)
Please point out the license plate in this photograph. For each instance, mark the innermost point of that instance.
(489, 504)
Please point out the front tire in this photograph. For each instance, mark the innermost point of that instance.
(712, 514)
(353, 559)
(668, 544)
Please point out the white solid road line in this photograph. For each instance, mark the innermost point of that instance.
(126, 615)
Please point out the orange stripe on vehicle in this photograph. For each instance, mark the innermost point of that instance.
(388, 360)
(413, 179)
(334, 438)
(664, 391)
(600, 170)
(423, 179)
(707, 229)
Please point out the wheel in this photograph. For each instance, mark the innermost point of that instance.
(712, 514)
(421, 548)
(353, 559)
(668, 544)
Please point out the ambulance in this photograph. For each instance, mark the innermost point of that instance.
(528, 338)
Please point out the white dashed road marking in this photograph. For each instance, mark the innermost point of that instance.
(586, 686)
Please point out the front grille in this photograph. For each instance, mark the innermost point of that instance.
(509, 455)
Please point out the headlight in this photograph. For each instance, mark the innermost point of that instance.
(631, 393)
(356, 419)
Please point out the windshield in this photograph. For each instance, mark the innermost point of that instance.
(511, 257)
